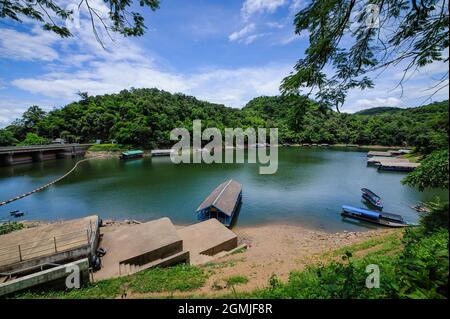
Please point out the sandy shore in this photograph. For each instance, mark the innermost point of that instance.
(271, 249)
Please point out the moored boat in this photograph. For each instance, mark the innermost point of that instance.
(372, 198)
(132, 154)
(17, 213)
(222, 203)
(376, 217)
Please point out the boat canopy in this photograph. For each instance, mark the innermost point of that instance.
(370, 193)
(130, 153)
(361, 211)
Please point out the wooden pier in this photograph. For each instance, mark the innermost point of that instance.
(378, 153)
(378, 160)
(391, 161)
(398, 166)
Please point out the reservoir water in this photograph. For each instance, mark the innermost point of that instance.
(308, 189)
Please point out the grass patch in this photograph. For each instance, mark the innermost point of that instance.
(177, 278)
(218, 265)
(413, 158)
(105, 289)
(239, 250)
(389, 241)
(107, 148)
(236, 280)
(9, 227)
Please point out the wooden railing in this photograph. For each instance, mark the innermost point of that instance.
(28, 250)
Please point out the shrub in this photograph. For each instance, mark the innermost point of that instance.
(10, 227)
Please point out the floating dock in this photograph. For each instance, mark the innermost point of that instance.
(378, 153)
(378, 160)
(398, 166)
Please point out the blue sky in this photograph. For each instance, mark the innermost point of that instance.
(221, 51)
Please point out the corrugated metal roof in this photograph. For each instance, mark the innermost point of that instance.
(132, 152)
(224, 197)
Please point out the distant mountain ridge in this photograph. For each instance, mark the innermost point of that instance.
(428, 108)
(378, 110)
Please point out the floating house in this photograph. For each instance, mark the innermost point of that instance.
(162, 152)
(222, 203)
(132, 154)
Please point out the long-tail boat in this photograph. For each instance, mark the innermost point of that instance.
(372, 198)
(376, 217)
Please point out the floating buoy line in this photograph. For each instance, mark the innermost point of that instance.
(48, 184)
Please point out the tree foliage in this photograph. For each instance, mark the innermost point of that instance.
(145, 117)
(33, 139)
(53, 17)
(7, 138)
(432, 173)
(345, 39)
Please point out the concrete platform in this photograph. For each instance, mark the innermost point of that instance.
(207, 238)
(136, 247)
(59, 242)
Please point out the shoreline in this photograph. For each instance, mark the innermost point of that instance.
(271, 249)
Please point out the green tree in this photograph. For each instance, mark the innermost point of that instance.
(32, 117)
(352, 48)
(33, 139)
(53, 17)
(433, 172)
(7, 138)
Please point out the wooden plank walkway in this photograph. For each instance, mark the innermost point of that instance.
(46, 240)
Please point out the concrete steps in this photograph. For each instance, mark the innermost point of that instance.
(128, 269)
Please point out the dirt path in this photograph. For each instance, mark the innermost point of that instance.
(272, 249)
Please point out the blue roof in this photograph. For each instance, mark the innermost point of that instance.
(362, 211)
(137, 152)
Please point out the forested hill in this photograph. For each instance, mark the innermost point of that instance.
(378, 110)
(145, 117)
(300, 120)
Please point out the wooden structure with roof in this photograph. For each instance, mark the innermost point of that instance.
(222, 203)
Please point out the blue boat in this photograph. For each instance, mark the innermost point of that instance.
(222, 203)
(376, 217)
(372, 198)
(17, 213)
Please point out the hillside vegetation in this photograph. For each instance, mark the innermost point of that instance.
(145, 117)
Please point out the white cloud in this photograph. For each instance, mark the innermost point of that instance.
(84, 66)
(251, 7)
(276, 25)
(30, 47)
(296, 5)
(245, 31)
(233, 87)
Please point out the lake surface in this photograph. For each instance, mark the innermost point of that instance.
(308, 189)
